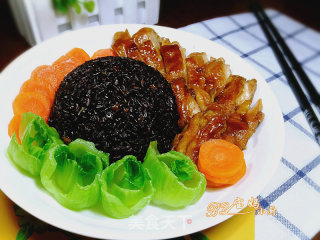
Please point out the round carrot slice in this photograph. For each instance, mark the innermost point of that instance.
(39, 86)
(79, 54)
(226, 181)
(65, 65)
(45, 75)
(221, 162)
(68, 62)
(32, 102)
(215, 185)
(103, 53)
(13, 126)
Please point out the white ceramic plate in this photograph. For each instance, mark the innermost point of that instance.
(262, 155)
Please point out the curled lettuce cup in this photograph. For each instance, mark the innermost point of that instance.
(175, 177)
(36, 139)
(71, 174)
(82, 147)
(126, 188)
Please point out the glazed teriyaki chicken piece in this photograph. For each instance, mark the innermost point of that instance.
(186, 103)
(228, 117)
(148, 43)
(212, 103)
(173, 56)
(195, 63)
(124, 46)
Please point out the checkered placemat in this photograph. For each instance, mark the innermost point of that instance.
(295, 188)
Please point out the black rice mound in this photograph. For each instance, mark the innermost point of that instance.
(120, 104)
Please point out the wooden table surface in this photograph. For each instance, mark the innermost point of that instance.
(173, 13)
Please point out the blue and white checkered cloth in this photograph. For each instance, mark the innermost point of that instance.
(295, 188)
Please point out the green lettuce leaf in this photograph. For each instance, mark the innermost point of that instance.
(175, 177)
(134, 176)
(126, 188)
(71, 174)
(36, 138)
(182, 169)
(82, 147)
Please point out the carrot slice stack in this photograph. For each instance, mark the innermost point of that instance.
(221, 162)
(37, 94)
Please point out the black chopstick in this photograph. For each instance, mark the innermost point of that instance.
(292, 81)
(311, 90)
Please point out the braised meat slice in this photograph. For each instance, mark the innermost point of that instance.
(124, 46)
(217, 76)
(195, 63)
(202, 98)
(231, 93)
(244, 101)
(186, 104)
(202, 127)
(240, 127)
(223, 118)
(148, 42)
(174, 60)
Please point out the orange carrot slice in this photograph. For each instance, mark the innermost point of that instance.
(215, 185)
(46, 75)
(79, 54)
(211, 184)
(221, 162)
(103, 53)
(65, 65)
(68, 62)
(13, 126)
(37, 94)
(39, 86)
(32, 102)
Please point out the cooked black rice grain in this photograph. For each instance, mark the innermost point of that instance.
(118, 103)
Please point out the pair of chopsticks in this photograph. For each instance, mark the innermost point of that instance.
(280, 49)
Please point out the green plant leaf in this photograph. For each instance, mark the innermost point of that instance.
(71, 2)
(198, 236)
(60, 5)
(29, 224)
(89, 5)
(24, 233)
(77, 8)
